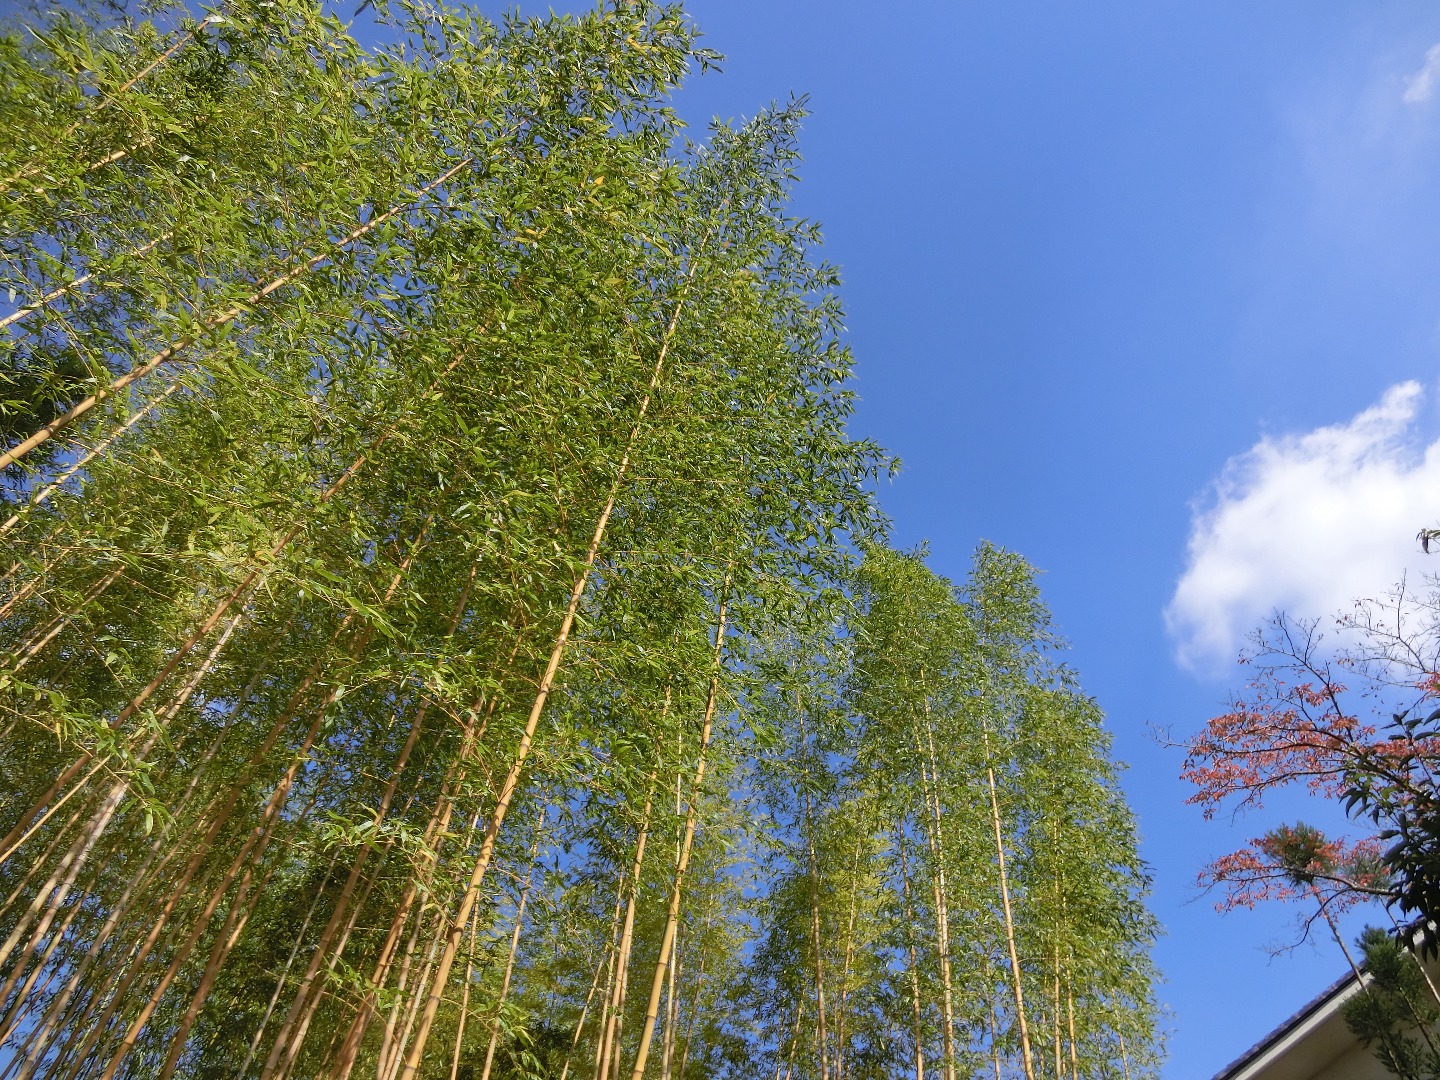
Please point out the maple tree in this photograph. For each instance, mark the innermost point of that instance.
(1349, 716)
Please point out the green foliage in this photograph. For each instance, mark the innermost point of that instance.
(387, 431)
(1395, 1004)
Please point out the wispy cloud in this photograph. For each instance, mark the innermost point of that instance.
(1306, 523)
(1420, 86)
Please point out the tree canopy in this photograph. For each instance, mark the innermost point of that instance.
(448, 625)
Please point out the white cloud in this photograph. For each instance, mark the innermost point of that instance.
(1421, 85)
(1307, 524)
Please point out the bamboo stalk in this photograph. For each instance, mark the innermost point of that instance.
(1027, 1058)
(672, 1011)
(514, 947)
(547, 682)
(673, 914)
(64, 290)
(935, 831)
(627, 937)
(213, 322)
(1070, 1013)
(814, 875)
(30, 649)
(840, 1035)
(423, 985)
(914, 962)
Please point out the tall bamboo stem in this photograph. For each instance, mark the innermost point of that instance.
(514, 947)
(672, 916)
(547, 682)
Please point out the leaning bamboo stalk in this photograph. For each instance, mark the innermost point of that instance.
(595, 982)
(22, 886)
(52, 894)
(672, 915)
(17, 1011)
(391, 1049)
(388, 1048)
(73, 770)
(302, 1005)
(547, 682)
(273, 810)
(42, 949)
(8, 843)
(350, 1048)
(65, 290)
(514, 947)
(221, 809)
(54, 808)
(1026, 1055)
(27, 590)
(214, 322)
(34, 166)
(627, 935)
(87, 457)
(28, 650)
(316, 999)
(37, 938)
(914, 963)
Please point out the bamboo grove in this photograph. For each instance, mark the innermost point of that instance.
(447, 629)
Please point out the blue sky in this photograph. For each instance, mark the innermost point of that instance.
(1144, 291)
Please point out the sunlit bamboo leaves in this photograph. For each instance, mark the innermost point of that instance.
(430, 621)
